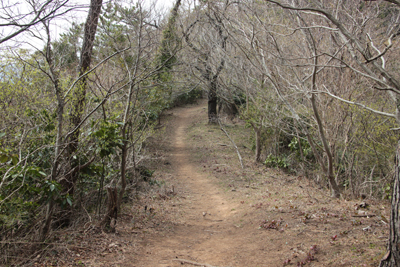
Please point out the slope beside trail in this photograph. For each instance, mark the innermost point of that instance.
(202, 209)
(207, 233)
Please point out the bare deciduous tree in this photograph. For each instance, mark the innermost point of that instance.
(208, 44)
(16, 18)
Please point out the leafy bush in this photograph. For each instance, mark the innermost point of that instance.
(276, 162)
(305, 147)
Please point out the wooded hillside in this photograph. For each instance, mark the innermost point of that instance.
(317, 81)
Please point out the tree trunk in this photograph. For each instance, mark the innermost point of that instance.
(257, 132)
(112, 210)
(331, 177)
(258, 144)
(123, 175)
(212, 103)
(47, 221)
(50, 205)
(392, 257)
(57, 148)
(206, 71)
(79, 95)
(114, 202)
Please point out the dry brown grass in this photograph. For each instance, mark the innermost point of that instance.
(271, 218)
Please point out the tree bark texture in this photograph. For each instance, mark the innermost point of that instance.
(124, 154)
(392, 257)
(79, 94)
(212, 102)
(257, 131)
(112, 209)
(331, 177)
(54, 76)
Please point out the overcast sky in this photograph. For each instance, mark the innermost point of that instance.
(34, 38)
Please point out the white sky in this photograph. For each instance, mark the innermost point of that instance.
(34, 39)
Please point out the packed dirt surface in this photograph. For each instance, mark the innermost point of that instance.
(207, 233)
(200, 208)
(252, 217)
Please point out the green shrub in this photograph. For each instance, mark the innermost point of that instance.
(277, 162)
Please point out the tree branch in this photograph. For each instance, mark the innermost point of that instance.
(233, 142)
(91, 70)
(358, 104)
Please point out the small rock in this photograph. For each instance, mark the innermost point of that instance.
(112, 245)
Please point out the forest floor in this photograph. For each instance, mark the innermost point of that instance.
(200, 208)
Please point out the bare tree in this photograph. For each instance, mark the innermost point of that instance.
(14, 22)
(209, 48)
(368, 60)
(277, 60)
(135, 125)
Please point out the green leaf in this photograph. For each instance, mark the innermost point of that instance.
(2, 135)
(3, 158)
(14, 160)
(52, 187)
(49, 127)
(42, 173)
(69, 201)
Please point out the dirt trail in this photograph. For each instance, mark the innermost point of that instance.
(252, 217)
(208, 198)
(206, 233)
(221, 215)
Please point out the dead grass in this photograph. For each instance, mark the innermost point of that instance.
(295, 209)
(276, 219)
